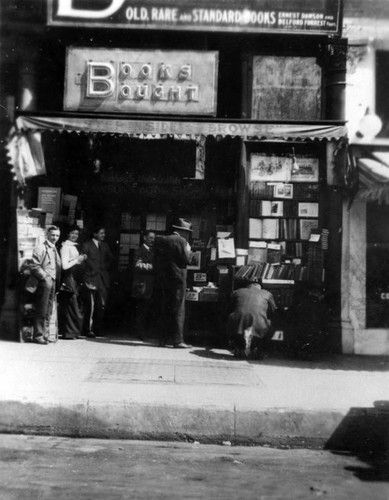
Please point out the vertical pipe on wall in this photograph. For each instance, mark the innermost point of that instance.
(334, 83)
(335, 58)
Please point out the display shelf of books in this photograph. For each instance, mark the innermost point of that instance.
(286, 243)
(31, 232)
(209, 270)
(130, 227)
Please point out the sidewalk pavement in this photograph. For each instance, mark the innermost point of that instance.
(118, 387)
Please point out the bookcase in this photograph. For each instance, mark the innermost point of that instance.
(287, 243)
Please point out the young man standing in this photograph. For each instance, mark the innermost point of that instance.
(96, 280)
(143, 282)
(46, 267)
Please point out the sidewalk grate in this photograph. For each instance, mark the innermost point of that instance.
(179, 372)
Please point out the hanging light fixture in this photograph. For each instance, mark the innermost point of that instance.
(369, 126)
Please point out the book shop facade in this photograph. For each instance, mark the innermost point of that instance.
(231, 117)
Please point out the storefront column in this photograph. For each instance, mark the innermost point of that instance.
(9, 319)
(353, 275)
(242, 200)
(333, 196)
(26, 101)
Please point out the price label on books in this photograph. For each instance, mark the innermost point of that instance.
(278, 335)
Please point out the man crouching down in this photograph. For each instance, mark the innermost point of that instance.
(250, 320)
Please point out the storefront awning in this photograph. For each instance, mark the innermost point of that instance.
(373, 174)
(153, 128)
(26, 156)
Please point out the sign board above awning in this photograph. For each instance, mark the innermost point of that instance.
(170, 82)
(251, 16)
(156, 128)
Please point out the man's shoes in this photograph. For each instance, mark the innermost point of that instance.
(161, 343)
(182, 345)
(41, 341)
(91, 335)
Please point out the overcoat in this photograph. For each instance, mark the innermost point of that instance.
(171, 260)
(143, 278)
(96, 266)
(251, 307)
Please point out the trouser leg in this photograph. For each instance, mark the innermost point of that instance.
(178, 315)
(89, 308)
(44, 307)
(98, 313)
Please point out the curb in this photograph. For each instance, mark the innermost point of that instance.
(272, 427)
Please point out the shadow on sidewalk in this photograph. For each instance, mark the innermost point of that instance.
(209, 353)
(320, 362)
(124, 341)
(327, 361)
(364, 433)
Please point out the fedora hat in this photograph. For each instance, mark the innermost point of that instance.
(183, 224)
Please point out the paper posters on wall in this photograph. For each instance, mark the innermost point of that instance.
(226, 248)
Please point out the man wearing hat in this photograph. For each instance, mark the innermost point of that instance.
(250, 320)
(172, 254)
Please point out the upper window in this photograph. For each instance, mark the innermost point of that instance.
(285, 88)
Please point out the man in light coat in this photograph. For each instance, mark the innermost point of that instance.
(46, 268)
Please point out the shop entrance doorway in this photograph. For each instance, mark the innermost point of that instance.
(130, 185)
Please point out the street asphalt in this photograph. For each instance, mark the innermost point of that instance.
(47, 468)
(119, 387)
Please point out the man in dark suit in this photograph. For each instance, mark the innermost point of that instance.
(46, 268)
(250, 320)
(172, 254)
(96, 280)
(143, 282)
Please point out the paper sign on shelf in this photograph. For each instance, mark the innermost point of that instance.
(278, 335)
(257, 244)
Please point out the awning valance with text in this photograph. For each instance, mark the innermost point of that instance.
(150, 128)
(24, 148)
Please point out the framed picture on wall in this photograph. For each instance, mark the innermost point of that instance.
(307, 170)
(195, 261)
(282, 190)
(270, 168)
(308, 209)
